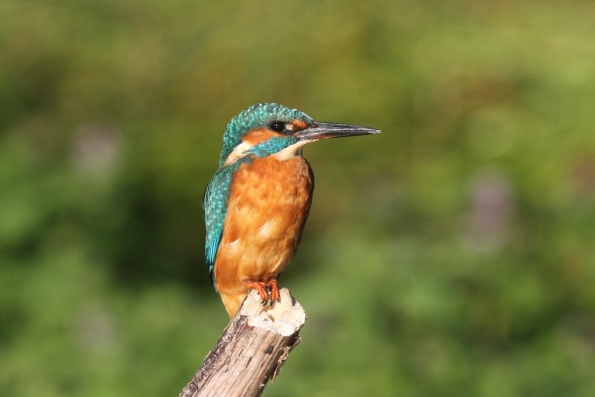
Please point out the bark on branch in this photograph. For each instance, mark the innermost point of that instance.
(251, 349)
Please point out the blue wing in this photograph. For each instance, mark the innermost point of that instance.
(214, 204)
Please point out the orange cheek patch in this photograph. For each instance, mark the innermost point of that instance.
(258, 135)
(299, 124)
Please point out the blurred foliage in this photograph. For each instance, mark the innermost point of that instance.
(451, 255)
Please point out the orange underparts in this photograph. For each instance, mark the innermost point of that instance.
(268, 205)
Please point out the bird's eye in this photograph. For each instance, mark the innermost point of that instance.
(278, 126)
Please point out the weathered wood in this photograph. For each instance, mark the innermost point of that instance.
(251, 349)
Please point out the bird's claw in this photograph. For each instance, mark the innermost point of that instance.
(268, 293)
(273, 288)
(270, 299)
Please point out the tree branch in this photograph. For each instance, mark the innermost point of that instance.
(251, 349)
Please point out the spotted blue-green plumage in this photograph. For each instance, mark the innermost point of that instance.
(216, 195)
(256, 116)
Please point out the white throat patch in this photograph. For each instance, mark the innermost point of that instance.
(291, 151)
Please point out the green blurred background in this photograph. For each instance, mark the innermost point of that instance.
(453, 255)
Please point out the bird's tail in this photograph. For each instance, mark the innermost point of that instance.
(232, 302)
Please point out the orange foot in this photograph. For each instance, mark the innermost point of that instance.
(266, 291)
(258, 286)
(274, 290)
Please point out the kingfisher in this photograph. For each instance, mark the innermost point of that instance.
(257, 203)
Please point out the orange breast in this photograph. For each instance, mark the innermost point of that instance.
(268, 206)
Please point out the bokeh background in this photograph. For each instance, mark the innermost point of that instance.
(453, 255)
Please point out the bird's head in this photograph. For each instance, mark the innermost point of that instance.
(269, 129)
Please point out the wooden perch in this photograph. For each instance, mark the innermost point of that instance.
(251, 350)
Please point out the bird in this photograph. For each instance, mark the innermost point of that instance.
(256, 204)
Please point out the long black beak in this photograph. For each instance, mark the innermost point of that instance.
(320, 130)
